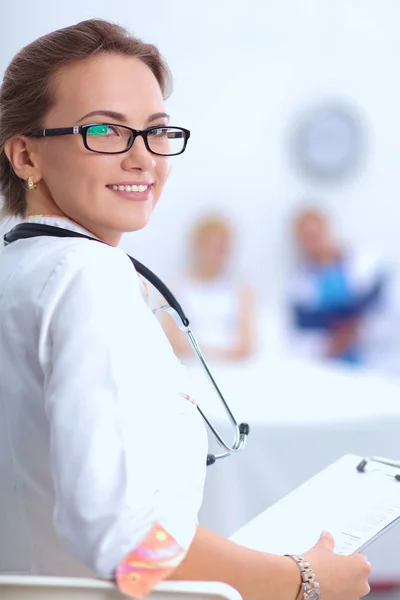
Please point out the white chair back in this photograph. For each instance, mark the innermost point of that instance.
(18, 587)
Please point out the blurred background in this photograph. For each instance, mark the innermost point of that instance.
(290, 105)
(279, 226)
(245, 75)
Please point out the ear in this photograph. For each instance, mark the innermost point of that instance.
(20, 152)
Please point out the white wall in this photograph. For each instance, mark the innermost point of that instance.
(255, 64)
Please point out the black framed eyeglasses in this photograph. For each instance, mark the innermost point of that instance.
(109, 138)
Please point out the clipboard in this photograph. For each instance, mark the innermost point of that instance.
(356, 499)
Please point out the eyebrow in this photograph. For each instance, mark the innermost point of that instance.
(116, 116)
(156, 116)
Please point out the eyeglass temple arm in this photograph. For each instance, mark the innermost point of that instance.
(54, 132)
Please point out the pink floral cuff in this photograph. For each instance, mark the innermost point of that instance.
(157, 556)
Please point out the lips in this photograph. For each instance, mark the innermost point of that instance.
(139, 191)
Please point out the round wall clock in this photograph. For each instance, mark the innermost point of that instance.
(328, 142)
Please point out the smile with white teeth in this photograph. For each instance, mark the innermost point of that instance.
(129, 188)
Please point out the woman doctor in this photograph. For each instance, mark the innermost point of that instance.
(102, 449)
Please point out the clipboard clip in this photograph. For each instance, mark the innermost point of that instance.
(382, 461)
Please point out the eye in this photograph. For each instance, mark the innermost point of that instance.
(159, 132)
(103, 130)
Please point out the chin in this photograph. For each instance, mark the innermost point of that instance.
(134, 223)
(131, 220)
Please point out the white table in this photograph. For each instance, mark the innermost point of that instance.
(303, 417)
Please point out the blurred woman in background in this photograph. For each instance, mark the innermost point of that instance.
(219, 305)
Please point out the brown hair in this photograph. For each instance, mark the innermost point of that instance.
(26, 93)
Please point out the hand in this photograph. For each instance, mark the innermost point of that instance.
(343, 337)
(340, 577)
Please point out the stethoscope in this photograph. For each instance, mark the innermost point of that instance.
(29, 230)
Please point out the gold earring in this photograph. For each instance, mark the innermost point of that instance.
(31, 184)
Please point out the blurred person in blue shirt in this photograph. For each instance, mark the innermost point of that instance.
(333, 292)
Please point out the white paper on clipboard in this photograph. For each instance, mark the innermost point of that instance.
(356, 507)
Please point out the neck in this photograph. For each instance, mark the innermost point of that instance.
(46, 209)
(326, 255)
(205, 273)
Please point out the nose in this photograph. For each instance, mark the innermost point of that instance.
(138, 157)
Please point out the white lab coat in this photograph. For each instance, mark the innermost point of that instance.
(96, 442)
